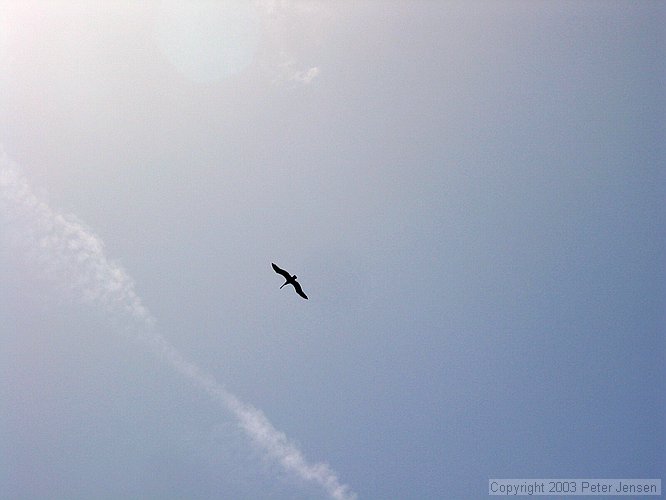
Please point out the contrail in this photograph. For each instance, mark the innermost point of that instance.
(72, 254)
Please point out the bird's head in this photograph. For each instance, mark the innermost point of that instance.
(294, 277)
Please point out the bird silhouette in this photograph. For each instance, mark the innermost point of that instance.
(291, 280)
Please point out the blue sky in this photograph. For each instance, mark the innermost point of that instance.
(471, 195)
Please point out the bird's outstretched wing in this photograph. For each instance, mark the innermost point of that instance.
(281, 271)
(299, 290)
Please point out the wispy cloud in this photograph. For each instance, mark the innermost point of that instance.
(290, 29)
(65, 249)
(72, 254)
(305, 76)
(287, 71)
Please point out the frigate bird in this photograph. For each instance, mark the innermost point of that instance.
(291, 280)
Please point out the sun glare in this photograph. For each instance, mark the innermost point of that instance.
(207, 41)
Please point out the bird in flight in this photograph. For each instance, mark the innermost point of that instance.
(291, 280)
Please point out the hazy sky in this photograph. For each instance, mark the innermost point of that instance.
(471, 194)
